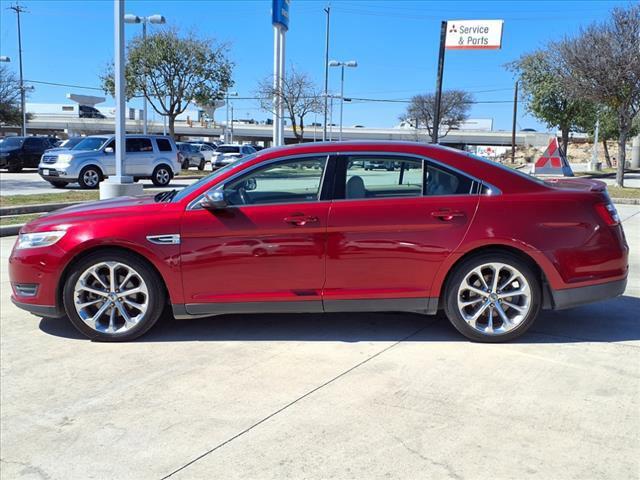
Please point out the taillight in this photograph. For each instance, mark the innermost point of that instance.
(608, 213)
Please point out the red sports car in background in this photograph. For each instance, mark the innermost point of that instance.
(310, 229)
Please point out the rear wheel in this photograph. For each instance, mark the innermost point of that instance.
(58, 184)
(185, 165)
(161, 176)
(14, 168)
(493, 297)
(90, 177)
(201, 166)
(113, 296)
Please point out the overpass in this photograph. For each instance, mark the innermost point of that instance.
(260, 133)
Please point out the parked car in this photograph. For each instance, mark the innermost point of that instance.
(205, 149)
(67, 144)
(213, 145)
(17, 153)
(489, 245)
(93, 159)
(190, 156)
(229, 153)
(377, 164)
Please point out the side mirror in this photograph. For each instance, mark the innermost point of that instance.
(108, 150)
(214, 200)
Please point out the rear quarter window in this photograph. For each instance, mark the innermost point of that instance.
(164, 145)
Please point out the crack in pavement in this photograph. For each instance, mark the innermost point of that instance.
(293, 402)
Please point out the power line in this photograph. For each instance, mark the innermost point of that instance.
(64, 85)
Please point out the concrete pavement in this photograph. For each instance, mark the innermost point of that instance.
(325, 396)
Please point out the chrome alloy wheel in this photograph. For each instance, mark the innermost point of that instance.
(91, 178)
(162, 176)
(494, 298)
(111, 297)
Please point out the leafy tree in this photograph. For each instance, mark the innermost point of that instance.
(299, 96)
(602, 64)
(546, 97)
(9, 98)
(172, 71)
(454, 109)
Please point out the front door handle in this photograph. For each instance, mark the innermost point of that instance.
(300, 220)
(447, 214)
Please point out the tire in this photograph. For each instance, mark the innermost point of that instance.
(14, 168)
(202, 164)
(90, 177)
(58, 184)
(185, 165)
(111, 327)
(161, 176)
(520, 310)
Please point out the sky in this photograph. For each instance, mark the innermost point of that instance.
(394, 42)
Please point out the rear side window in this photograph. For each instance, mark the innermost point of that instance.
(164, 145)
(441, 181)
(382, 176)
(137, 145)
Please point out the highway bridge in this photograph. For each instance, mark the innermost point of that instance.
(262, 134)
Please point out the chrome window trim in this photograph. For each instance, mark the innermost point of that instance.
(195, 203)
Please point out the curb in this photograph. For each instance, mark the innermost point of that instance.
(10, 230)
(626, 201)
(36, 208)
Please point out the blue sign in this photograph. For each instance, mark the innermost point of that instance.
(280, 13)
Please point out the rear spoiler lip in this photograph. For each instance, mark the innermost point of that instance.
(577, 184)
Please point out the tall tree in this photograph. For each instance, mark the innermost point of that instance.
(9, 98)
(546, 97)
(602, 64)
(171, 71)
(454, 109)
(299, 96)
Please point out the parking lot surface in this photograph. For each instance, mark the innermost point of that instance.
(325, 396)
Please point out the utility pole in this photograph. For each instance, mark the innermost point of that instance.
(594, 151)
(436, 116)
(326, 74)
(513, 128)
(18, 9)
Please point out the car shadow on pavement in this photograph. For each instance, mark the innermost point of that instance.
(611, 321)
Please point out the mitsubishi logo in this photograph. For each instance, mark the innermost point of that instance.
(453, 28)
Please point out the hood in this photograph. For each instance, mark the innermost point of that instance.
(92, 212)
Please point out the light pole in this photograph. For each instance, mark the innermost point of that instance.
(156, 20)
(326, 73)
(335, 63)
(226, 124)
(18, 9)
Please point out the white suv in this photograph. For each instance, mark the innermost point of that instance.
(93, 159)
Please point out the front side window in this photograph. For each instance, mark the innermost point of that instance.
(382, 176)
(90, 143)
(289, 181)
(441, 181)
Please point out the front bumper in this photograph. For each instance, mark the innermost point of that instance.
(53, 174)
(39, 310)
(572, 297)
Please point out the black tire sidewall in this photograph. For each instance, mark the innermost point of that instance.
(153, 281)
(453, 283)
(58, 184)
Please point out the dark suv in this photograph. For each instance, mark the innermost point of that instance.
(17, 153)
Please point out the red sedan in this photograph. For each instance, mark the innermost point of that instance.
(309, 229)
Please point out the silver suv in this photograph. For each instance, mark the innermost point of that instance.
(90, 161)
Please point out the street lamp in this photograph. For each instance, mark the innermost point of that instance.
(156, 20)
(4, 59)
(335, 63)
(226, 125)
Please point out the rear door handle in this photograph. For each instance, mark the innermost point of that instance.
(447, 214)
(300, 220)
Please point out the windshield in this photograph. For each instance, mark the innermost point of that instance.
(194, 186)
(71, 142)
(90, 143)
(11, 142)
(228, 149)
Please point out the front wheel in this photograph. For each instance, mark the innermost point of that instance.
(90, 177)
(161, 176)
(113, 296)
(14, 168)
(201, 165)
(493, 297)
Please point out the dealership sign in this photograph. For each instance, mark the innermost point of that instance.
(474, 34)
(280, 13)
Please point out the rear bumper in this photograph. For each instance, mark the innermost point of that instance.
(572, 297)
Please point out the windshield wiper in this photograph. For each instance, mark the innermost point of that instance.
(165, 196)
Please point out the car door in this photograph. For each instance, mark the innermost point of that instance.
(266, 250)
(139, 156)
(386, 237)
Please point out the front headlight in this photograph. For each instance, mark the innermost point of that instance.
(40, 239)
(65, 157)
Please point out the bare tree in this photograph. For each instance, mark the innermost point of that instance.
(454, 109)
(9, 98)
(602, 64)
(299, 96)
